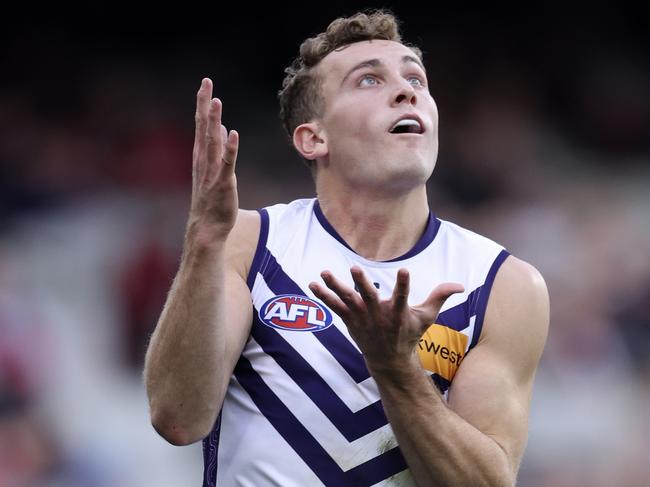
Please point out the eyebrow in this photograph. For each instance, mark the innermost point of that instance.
(373, 63)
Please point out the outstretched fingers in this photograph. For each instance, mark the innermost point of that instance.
(231, 149)
(401, 290)
(366, 290)
(214, 147)
(348, 295)
(201, 126)
(332, 301)
(223, 146)
(202, 108)
(431, 306)
(214, 133)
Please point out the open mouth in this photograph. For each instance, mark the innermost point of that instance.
(407, 126)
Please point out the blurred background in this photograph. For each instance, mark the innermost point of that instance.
(545, 145)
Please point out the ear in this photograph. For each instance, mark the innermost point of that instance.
(310, 140)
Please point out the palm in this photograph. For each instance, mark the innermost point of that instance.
(387, 331)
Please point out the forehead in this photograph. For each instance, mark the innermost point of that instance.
(338, 62)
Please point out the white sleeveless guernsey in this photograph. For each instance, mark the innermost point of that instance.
(301, 408)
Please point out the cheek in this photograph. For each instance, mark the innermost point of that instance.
(352, 134)
(352, 118)
(434, 114)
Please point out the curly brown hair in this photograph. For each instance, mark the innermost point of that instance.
(300, 99)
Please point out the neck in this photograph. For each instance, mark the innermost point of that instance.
(377, 226)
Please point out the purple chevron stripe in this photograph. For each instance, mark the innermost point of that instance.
(441, 383)
(331, 338)
(479, 304)
(351, 425)
(456, 318)
(303, 442)
(260, 250)
(379, 468)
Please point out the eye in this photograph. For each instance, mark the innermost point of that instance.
(415, 81)
(368, 80)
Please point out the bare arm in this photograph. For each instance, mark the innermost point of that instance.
(207, 316)
(479, 437)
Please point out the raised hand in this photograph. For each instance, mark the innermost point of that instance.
(387, 331)
(214, 185)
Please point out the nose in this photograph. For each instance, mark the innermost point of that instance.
(405, 94)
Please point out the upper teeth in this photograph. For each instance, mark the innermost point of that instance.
(406, 122)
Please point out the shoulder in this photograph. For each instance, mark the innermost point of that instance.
(294, 209)
(253, 227)
(517, 316)
(242, 241)
(454, 236)
(456, 230)
(519, 287)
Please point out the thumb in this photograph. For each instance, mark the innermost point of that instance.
(430, 307)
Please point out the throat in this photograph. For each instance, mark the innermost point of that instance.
(377, 234)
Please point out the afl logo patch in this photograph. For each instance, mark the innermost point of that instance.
(295, 313)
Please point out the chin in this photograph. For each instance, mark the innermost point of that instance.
(407, 177)
(415, 167)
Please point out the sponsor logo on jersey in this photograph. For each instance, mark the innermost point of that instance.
(295, 313)
(441, 350)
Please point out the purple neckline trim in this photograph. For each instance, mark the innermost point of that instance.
(429, 234)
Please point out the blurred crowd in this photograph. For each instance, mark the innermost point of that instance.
(94, 192)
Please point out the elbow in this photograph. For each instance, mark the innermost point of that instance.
(177, 432)
(174, 435)
(497, 480)
(506, 481)
(499, 476)
(506, 478)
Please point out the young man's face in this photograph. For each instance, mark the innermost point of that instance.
(368, 88)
